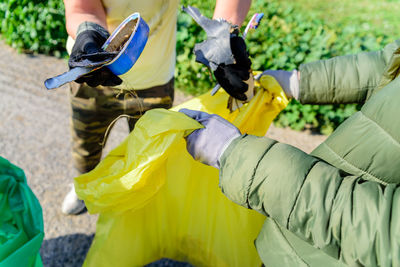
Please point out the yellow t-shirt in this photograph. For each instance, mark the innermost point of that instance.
(157, 62)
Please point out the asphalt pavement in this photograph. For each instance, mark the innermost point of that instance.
(35, 135)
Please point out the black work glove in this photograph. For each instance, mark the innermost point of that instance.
(87, 52)
(231, 77)
(224, 52)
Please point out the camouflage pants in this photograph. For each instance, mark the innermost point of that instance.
(93, 110)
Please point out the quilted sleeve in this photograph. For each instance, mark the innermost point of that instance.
(348, 79)
(350, 219)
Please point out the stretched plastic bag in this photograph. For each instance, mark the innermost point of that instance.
(155, 201)
(21, 221)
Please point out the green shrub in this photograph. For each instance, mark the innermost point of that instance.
(34, 26)
(284, 40)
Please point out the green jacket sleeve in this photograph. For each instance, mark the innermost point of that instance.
(348, 79)
(350, 219)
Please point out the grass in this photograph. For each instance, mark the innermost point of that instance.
(379, 16)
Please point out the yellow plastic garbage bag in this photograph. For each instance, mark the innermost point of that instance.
(156, 202)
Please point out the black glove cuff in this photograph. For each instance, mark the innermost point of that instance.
(235, 30)
(91, 26)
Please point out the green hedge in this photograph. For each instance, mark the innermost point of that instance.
(285, 39)
(34, 26)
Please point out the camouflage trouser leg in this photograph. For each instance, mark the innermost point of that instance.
(93, 109)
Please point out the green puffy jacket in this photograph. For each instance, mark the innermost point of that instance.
(340, 205)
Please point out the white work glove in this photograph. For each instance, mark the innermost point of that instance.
(209, 143)
(288, 80)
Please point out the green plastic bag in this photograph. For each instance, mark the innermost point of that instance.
(21, 220)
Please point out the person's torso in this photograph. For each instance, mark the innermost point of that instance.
(157, 61)
(365, 145)
(368, 143)
(278, 247)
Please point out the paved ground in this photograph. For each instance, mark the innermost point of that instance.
(34, 135)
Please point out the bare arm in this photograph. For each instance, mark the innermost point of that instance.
(78, 11)
(234, 11)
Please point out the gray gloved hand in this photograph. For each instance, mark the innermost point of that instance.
(209, 143)
(288, 80)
